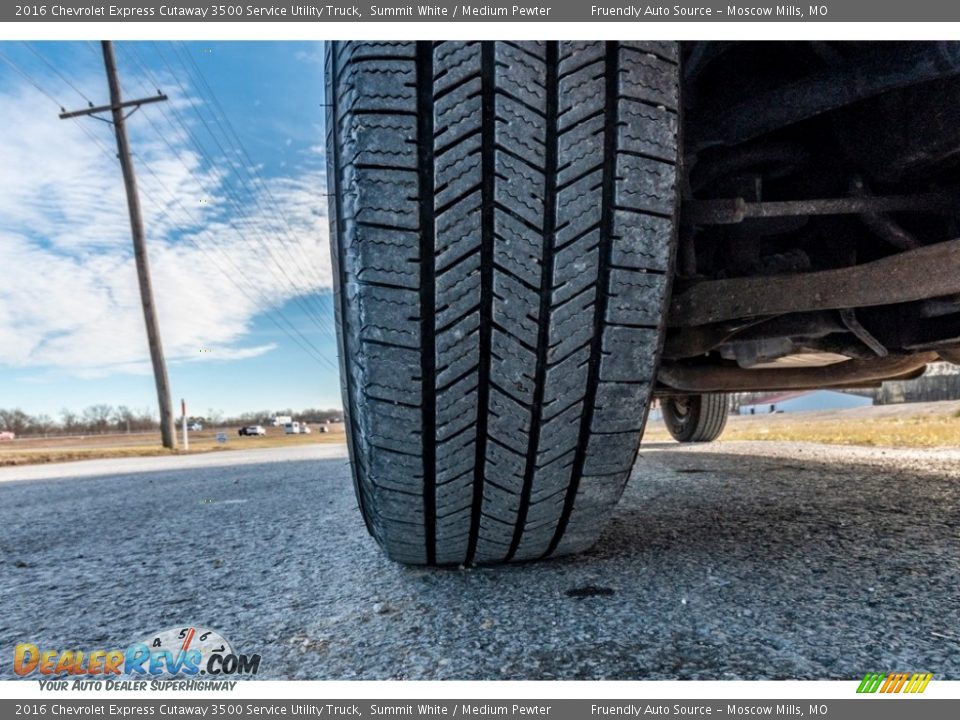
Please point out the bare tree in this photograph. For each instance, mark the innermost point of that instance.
(42, 424)
(97, 417)
(16, 421)
(214, 417)
(69, 420)
(124, 419)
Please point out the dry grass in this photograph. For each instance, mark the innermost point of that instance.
(926, 425)
(32, 451)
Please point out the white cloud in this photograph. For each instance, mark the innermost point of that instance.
(69, 298)
(310, 57)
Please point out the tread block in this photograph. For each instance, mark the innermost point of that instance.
(618, 405)
(642, 241)
(644, 184)
(628, 353)
(635, 297)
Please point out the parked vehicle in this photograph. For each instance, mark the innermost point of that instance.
(291, 428)
(252, 430)
(7, 435)
(195, 427)
(525, 256)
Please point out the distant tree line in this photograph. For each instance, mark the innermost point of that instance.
(103, 419)
(96, 419)
(263, 417)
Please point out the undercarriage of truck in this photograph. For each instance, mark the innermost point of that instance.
(819, 236)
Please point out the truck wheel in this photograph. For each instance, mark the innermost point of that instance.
(502, 224)
(696, 418)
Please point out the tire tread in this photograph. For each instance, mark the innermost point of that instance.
(500, 293)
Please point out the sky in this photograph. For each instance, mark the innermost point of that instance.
(231, 171)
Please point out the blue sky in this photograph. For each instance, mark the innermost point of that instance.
(234, 251)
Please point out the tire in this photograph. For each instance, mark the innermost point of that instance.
(696, 418)
(502, 232)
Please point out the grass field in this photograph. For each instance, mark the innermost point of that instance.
(919, 425)
(29, 451)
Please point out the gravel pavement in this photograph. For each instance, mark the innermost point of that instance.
(732, 560)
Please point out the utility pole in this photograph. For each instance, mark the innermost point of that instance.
(183, 420)
(116, 108)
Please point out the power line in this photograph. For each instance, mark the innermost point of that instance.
(56, 102)
(165, 211)
(250, 167)
(317, 353)
(232, 131)
(304, 343)
(58, 73)
(231, 194)
(29, 79)
(278, 217)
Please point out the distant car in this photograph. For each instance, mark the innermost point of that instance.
(7, 435)
(252, 430)
(291, 428)
(195, 427)
(305, 429)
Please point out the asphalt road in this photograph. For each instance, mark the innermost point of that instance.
(734, 560)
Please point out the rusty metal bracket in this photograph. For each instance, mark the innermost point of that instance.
(849, 317)
(695, 378)
(927, 272)
(731, 211)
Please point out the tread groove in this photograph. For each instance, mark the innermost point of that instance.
(488, 168)
(428, 319)
(546, 286)
(611, 82)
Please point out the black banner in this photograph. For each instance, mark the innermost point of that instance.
(873, 708)
(621, 12)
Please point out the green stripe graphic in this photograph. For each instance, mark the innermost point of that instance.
(870, 683)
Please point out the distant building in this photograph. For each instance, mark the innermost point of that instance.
(803, 401)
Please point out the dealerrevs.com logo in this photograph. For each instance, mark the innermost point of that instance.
(189, 652)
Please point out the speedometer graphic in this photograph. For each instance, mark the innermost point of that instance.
(185, 650)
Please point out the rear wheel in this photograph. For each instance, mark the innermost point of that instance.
(696, 418)
(502, 221)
